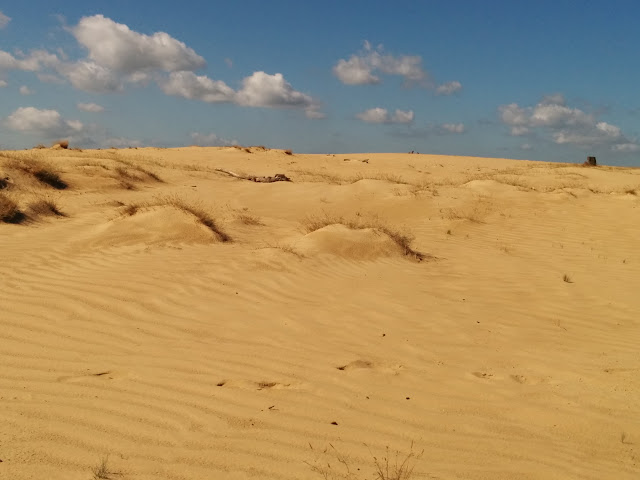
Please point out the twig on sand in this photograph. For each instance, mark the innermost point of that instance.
(278, 177)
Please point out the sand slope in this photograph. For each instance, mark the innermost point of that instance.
(143, 336)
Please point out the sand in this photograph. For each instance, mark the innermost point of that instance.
(481, 313)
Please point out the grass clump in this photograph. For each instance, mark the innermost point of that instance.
(46, 207)
(567, 279)
(249, 219)
(403, 240)
(9, 211)
(102, 471)
(51, 178)
(31, 165)
(195, 210)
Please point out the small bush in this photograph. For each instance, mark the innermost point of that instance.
(101, 471)
(288, 152)
(39, 146)
(63, 144)
(567, 279)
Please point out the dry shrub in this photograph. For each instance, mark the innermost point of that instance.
(403, 240)
(9, 211)
(196, 210)
(288, 152)
(50, 178)
(63, 143)
(39, 146)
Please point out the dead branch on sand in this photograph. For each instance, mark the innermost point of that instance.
(278, 177)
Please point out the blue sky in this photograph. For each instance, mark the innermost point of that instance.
(538, 80)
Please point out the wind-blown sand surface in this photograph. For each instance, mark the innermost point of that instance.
(129, 329)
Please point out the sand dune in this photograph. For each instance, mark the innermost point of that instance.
(190, 325)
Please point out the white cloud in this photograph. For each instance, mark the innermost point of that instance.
(626, 147)
(115, 46)
(374, 115)
(381, 115)
(449, 88)
(91, 77)
(211, 140)
(4, 20)
(24, 90)
(264, 90)
(48, 123)
(526, 146)
(565, 125)
(355, 71)
(33, 62)
(258, 90)
(359, 69)
(119, 142)
(3, 84)
(90, 107)
(197, 87)
(453, 127)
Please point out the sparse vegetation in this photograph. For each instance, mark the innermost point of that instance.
(102, 471)
(332, 465)
(567, 279)
(249, 219)
(403, 240)
(46, 206)
(62, 143)
(288, 152)
(39, 146)
(195, 210)
(9, 211)
(51, 178)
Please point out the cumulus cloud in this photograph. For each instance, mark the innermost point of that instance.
(359, 69)
(258, 90)
(381, 115)
(211, 140)
(116, 46)
(452, 128)
(33, 62)
(24, 90)
(47, 123)
(197, 87)
(3, 83)
(91, 77)
(4, 20)
(90, 107)
(565, 125)
(449, 88)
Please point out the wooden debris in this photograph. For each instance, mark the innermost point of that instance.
(278, 177)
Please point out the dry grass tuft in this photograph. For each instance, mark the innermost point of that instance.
(51, 178)
(46, 206)
(102, 471)
(249, 219)
(567, 279)
(196, 210)
(9, 211)
(288, 152)
(332, 465)
(39, 170)
(39, 146)
(403, 240)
